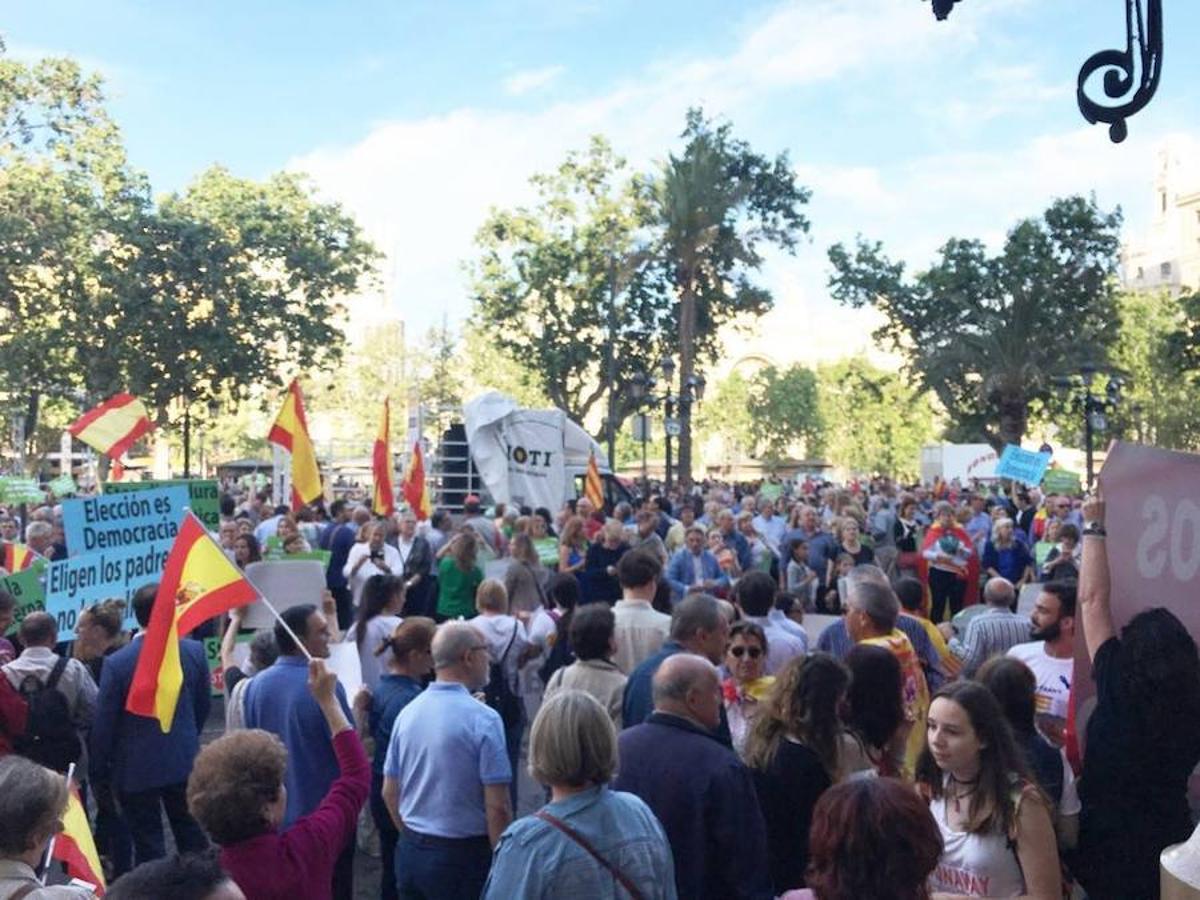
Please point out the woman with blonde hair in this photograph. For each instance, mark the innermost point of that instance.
(589, 840)
(572, 546)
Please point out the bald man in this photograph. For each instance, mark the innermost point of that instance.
(697, 787)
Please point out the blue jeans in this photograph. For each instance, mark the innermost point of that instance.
(434, 868)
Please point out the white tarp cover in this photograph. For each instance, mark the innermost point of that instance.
(518, 452)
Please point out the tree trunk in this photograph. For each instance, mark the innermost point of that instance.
(1013, 420)
(687, 365)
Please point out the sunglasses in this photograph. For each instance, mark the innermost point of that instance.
(740, 651)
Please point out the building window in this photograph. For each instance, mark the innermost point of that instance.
(1162, 201)
(1140, 273)
(1164, 270)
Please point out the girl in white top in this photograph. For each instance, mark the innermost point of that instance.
(378, 616)
(995, 823)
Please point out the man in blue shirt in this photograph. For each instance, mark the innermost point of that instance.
(131, 759)
(693, 568)
(338, 538)
(446, 775)
(278, 700)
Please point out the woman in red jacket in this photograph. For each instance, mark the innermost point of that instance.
(236, 792)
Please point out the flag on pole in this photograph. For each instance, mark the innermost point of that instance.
(593, 486)
(198, 582)
(415, 492)
(384, 500)
(75, 847)
(17, 557)
(290, 431)
(113, 426)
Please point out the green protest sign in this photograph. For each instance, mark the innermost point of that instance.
(26, 588)
(212, 652)
(63, 486)
(1061, 481)
(274, 552)
(204, 497)
(15, 490)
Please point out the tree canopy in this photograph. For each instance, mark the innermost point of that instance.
(987, 333)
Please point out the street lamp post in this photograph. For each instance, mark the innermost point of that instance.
(1095, 408)
(691, 391)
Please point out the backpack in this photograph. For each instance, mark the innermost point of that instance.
(560, 655)
(498, 694)
(50, 738)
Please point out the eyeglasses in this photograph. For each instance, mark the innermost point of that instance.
(740, 651)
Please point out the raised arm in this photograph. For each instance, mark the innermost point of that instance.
(1095, 588)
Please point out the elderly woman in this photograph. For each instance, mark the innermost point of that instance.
(746, 685)
(591, 635)
(1006, 556)
(236, 792)
(599, 580)
(32, 803)
(588, 841)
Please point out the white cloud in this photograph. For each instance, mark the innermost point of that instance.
(423, 186)
(531, 80)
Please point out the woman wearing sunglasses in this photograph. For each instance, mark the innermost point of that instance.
(745, 660)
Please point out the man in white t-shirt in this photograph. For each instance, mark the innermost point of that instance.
(1050, 655)
(640, 630)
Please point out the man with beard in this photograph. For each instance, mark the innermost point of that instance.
(1050, 655)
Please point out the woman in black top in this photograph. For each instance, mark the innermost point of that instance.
(1143, 739)
(793, 753)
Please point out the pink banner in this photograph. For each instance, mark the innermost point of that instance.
(1152, 515)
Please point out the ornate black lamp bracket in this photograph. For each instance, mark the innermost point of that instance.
(1141, 60)
(1130, 76)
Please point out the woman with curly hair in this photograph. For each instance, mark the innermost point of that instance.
(793, 751)
(995, 822)
(871, 837)
(1143, 739)
(236, 792)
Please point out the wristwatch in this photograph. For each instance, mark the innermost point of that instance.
(1094, 529)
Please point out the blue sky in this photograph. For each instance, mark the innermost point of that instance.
(419, 116)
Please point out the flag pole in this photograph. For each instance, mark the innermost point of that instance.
(50, 846)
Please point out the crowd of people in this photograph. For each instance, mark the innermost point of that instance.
(753, 691)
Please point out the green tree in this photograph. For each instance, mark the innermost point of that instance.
(875, 421)
(784, 411)
(562, 287)
(716, 204)
(987, 333)
(725, 414)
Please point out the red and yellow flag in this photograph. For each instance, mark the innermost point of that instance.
(113, 426)
(415, 493)
(384, 500)
(17, 557)
(593, 485)
(290, 431)
(75, 847)
(198, 582)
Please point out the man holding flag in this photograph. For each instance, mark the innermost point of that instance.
(154, 693)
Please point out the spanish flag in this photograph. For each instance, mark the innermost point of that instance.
(384, 501)
(113, 426)
(198, 582)
(74, 846)
(290, 431)
(413, 487)
(593, 486)
(17, 557)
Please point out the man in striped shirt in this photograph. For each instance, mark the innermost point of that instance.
(992, 632)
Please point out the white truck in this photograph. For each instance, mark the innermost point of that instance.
(961, 461)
